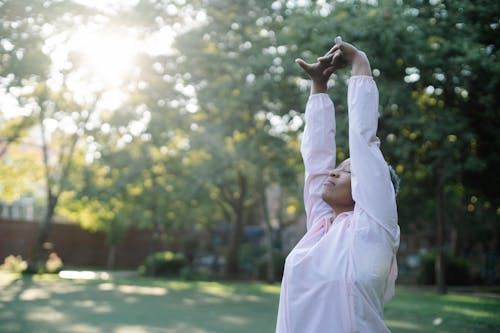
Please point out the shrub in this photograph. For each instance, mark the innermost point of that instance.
(198, 274)
(54, 264)
(14, 264)
(279, 265)
(164, 264)
(457, 270)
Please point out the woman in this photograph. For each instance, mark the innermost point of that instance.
(341, 272)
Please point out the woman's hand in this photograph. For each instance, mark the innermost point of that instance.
(320, 71)
(343, 54)
(318, 74)
(316, 71)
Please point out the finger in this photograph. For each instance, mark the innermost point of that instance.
(336, 57)
(305, 66)
(330, 52)
(325, 58)
(335, 47)
(329, 71)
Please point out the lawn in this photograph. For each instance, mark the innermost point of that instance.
(141, 305)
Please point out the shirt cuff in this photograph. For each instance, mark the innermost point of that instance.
(319, 101)
(360, 77)
(318, 95)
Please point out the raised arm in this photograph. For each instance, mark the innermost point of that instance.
(318, 142)
(318, 152)
(372, 189)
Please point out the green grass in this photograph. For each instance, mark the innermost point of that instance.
(44, 304)
(414, 310)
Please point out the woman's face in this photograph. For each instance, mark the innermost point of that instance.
(337, 187)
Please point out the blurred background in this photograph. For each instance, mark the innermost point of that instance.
(162, 136)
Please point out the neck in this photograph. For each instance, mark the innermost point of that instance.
(339, 209)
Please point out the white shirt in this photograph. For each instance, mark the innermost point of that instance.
(341, 272)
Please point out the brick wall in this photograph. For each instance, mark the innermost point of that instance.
(76, 246)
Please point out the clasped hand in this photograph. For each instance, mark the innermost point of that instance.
(339, 56)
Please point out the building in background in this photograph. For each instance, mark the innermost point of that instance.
(22, 209)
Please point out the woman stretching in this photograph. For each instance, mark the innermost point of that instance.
(340, 274)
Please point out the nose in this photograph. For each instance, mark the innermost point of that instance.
(334, 173)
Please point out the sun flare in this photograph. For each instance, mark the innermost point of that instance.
(107, 57)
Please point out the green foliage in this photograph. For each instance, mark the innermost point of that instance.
(279, 265)
(247, 118)
(165, 264)
(199, 274)
(220, 116)
(457, 270)
(14, 264)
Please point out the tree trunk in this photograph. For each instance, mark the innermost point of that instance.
(54, 186)
(453, 248)
(14, 135)
(233, 250)
(110, 264)
(159, 241)
(279, 231)
(40, 251)
(3, 148)
(237, 205)
(440, 265)
(270, 271)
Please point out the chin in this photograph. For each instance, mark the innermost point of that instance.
(327, 198)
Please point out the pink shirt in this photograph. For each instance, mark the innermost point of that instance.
(341, 272)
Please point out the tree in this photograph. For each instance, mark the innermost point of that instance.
(208, 126)
(13, 130)
(237, 83)
(444, 78)
(140, 166)
(435, 55)
(30, 69)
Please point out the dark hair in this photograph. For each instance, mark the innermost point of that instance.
(394, 179)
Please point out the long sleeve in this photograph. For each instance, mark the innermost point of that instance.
(372, 189)
(339, 274)
(318, 152)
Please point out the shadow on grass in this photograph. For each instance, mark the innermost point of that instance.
(165, 306)
(137, 305)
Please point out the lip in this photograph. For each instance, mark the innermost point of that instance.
(329, 182)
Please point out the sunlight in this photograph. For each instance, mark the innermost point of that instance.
(108, 6)
(140, 290)
(216, 289)
(108, 57)
(6, 278)
(472, 313)
(34, 294)
(403, 325)
(234, 320)
(132, 289)
(83, 275)
(45, 314)
(271, 289)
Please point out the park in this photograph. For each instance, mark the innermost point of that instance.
(151, 176)
(126, 304)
